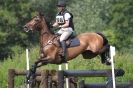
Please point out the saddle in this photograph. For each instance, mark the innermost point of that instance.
(72, 41)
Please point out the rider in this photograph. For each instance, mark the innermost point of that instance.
(64, 20)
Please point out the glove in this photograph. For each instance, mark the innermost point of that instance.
(60, 26)
(51, 25)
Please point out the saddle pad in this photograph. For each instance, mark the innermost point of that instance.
(73, 42)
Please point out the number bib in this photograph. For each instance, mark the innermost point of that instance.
(60, 19)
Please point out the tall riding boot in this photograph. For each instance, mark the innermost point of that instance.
(63, 45)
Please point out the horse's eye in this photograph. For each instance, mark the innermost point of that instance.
(37, 19)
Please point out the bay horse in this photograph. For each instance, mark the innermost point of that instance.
(91, 44)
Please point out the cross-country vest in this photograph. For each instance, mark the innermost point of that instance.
(61, 20)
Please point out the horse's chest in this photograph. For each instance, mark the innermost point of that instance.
(50, 50)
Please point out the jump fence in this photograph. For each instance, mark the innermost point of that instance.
(44, 78)
(93, 73)
(41, 77)
(82, 84)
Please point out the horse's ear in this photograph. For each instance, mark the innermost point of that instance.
(40, 14)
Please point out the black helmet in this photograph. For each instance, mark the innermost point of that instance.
(61, 3)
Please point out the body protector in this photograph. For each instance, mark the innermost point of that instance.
(60, 18)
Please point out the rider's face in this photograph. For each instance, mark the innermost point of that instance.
(60, 8)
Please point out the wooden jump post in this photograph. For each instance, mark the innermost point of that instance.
(12, 73)
(41, 76)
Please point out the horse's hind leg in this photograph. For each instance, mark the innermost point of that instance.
(88, 54)
(105, 56)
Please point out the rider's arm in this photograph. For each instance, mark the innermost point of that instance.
(55, 24)
(67, 17)
(65, 25)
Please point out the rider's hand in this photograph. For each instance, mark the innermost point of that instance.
(60, 26)
(51, 25)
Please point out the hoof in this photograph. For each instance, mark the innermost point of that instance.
(108, 63)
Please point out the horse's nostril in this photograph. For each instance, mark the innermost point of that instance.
(24, 26)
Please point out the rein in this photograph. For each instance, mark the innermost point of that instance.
(50, 41)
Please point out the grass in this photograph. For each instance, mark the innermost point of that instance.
(122, 60)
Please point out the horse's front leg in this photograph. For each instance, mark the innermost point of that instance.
(31, 73)
(42, 61)
(30, 76)
(37, 64)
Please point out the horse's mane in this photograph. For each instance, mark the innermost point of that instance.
(49, 26)
(47, 22)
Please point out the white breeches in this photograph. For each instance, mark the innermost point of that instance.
(65, 33)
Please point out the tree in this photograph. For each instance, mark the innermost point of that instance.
(13, 15)
(119, 23)
(86, 14)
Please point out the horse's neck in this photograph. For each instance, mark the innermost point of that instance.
(45, 34)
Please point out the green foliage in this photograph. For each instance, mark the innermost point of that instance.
(86, 14)
(12, 18)
(13, 15)
(18, 62)
(120, 22)
(48, 7)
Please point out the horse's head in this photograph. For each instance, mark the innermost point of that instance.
(34, 23)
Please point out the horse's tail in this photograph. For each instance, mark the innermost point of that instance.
(104, 38)
(105, 52)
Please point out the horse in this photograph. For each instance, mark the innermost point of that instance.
(91, 43)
